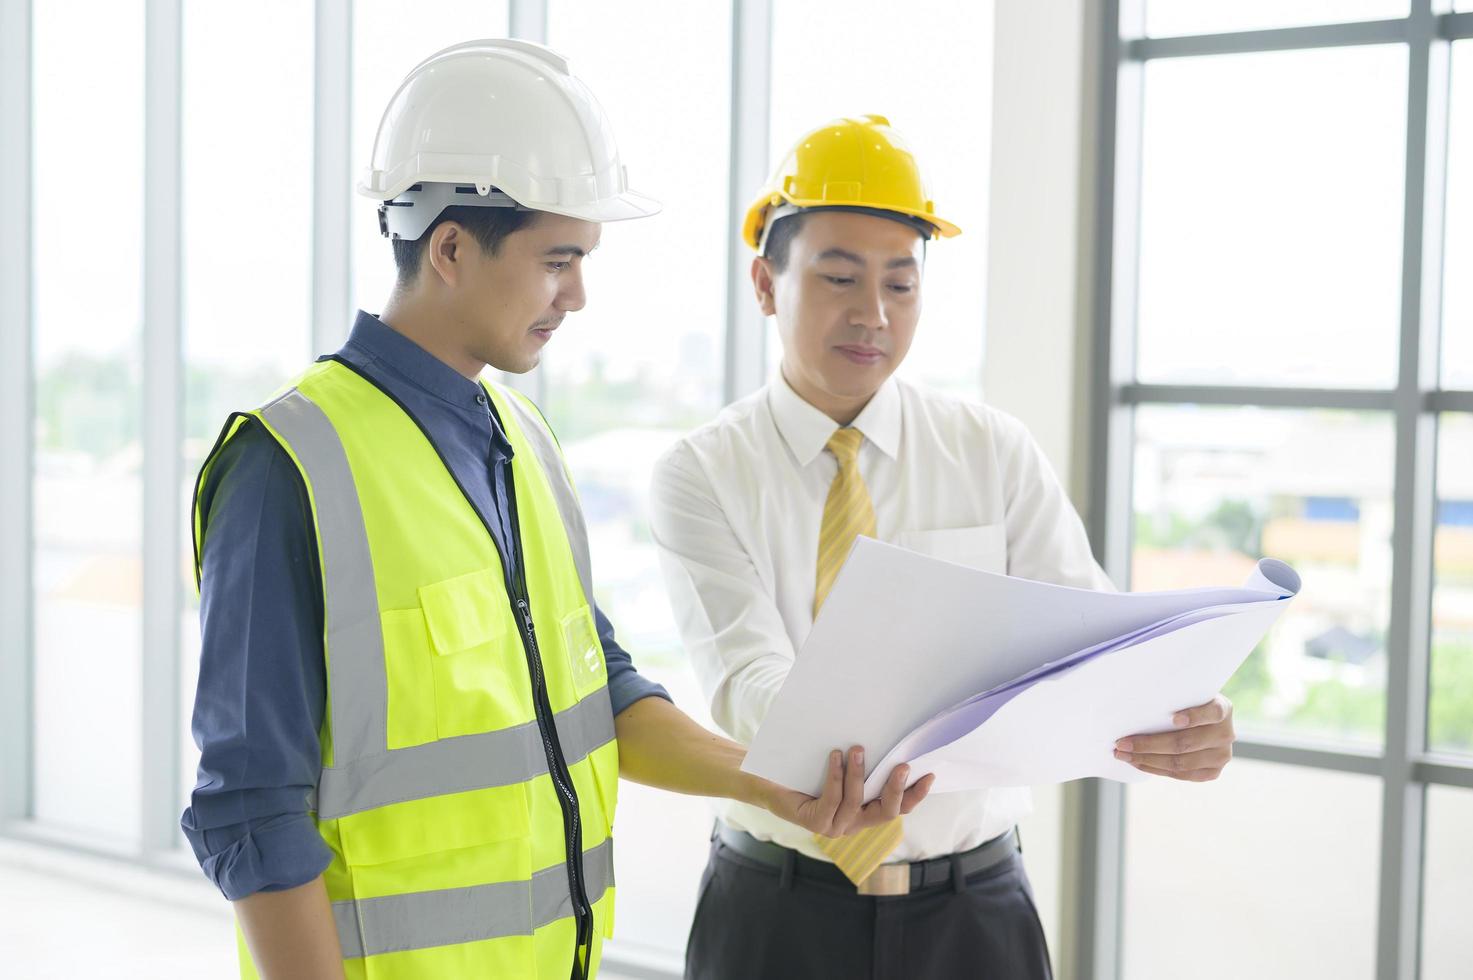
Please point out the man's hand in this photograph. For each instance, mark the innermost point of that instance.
(840, 808)
(1196, 752)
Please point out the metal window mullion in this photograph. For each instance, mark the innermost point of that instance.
(528, 21)
(1402, 814)
(1367, 762)
(745, 344)
(1094, 810)
(332, 125)
(1449, 401)
(1442, 770)
(1274, 39)
(1351, 399)
(17, 407)
(162, 425)
(1454, 27)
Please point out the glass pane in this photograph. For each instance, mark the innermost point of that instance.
(1217, 488)
(639, 366)
(1271, 207)
(823, 71)
(1447, 943)
(1457, 286)
(237, 352)
(1450, 711)
(387, 44)
(88, 482)
(1270, 872)
(1168, 17)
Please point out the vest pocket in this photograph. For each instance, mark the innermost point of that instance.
(476, 658)
(585, 653)
(455, 664)
(439, 860)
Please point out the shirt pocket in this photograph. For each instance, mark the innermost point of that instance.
(983, 547)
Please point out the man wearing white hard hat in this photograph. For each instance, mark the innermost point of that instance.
(412, 716)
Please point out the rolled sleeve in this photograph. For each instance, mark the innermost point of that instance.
(261, 697)
(626, 684)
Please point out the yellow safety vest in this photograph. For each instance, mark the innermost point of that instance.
(469, 767)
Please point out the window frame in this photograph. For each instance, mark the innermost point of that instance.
(1415, 404)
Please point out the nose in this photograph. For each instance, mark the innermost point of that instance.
(571, 296)
(869, 309)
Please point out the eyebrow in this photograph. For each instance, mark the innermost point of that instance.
(906, 262)
(576, 250)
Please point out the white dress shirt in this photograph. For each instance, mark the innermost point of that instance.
(735, 510)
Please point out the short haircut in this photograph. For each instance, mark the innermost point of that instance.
(780, 236)
(489, 226)
(780, 239)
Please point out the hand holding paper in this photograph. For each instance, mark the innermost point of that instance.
(1196, 751)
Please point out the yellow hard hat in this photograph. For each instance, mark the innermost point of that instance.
(847, 163)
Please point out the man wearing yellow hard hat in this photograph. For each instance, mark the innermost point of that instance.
(412, 715)
(754, 514)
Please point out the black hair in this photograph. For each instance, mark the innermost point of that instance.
(785, 229)
(780, 239)
(489, 226)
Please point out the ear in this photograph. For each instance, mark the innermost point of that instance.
(446, 252)
(762, 285)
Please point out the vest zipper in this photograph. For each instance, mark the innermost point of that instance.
(557, 766)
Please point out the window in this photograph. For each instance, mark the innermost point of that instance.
(820, 73)
(1252, 268)
(1218, 488)
(1167, 17)
(1447, 944)
(1259, 301)
(88, 373)
(387, 44)
(1283, 840)
(1457, 288)
(638, 367)
(237, 350)
(1450, 705)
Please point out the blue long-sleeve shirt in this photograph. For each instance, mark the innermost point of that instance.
(262, 683)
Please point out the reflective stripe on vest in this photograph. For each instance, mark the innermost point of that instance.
(467, 762)
(419, 920)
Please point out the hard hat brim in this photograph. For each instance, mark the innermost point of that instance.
(757, 214)
(624, 207)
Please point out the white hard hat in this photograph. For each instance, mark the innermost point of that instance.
(496, 123)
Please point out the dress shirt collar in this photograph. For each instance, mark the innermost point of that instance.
(390, 349)
(806, 430)
(399, 361)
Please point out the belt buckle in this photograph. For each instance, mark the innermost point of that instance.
(887, 880)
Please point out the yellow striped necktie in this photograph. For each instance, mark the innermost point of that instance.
(847, 514)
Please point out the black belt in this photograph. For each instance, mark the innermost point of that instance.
(887, 879)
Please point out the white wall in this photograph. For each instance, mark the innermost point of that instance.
(1034, 362)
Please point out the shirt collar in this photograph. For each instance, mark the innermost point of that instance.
(389, 349)
(806, 430)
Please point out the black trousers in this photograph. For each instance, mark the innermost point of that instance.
(754, 922)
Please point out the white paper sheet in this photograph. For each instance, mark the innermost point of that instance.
(915, 658)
